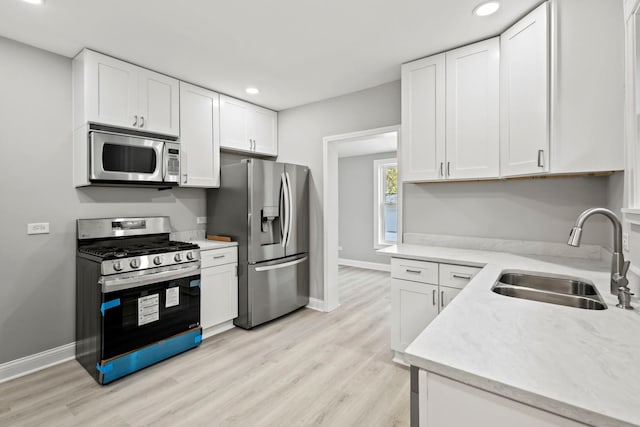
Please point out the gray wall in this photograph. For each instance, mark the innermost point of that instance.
(530, 209)
(533, 209)
(300, 133)
(37, 293)
(355, 206)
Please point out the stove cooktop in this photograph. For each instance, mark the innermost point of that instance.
(137, 249)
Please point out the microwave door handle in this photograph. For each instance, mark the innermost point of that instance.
(165, 162)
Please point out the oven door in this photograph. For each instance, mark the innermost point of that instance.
(140, 310)
(117, 157)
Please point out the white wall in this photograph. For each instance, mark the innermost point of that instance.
(355, 206)
(37, 290)
(300, 133)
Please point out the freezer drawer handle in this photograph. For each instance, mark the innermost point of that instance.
(285, 265)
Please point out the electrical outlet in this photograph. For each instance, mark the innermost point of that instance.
(38, 228)
(625, 241)
(201, 220)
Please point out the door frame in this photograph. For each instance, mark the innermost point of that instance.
(330, 213)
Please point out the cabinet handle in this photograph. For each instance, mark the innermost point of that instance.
(540, 158)
(449, 169)
(461, 276)
(442, 299)
(442, 169)
(141, 121)
(135, 121)
(433, 296)
(218, 256)
(185, 177)
(413, 271)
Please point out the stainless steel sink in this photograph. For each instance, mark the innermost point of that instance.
(559, 290)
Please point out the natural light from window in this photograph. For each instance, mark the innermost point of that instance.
(385, 210)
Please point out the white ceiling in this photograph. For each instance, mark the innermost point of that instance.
(381, 143)
(294, 51)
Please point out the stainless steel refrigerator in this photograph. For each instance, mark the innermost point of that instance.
(264, 206)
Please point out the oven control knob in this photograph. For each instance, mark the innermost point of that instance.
(157, 260)
(135, 263)
(189, 256)
(117, 266)
(178, 257)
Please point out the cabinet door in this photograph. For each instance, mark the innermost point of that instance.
(158, 103)
(446, 296)
(413, 306)
(234, 132)
(218, 295)
(263, 125)
(524, 95)
(111, 91)
(473, 130)
(422, 142)
(199, 137)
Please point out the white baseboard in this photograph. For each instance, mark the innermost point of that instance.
(217, 329)
(316, 304)
(36, 362)
(364, 264)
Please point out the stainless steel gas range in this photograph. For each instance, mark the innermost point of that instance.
(137, 295)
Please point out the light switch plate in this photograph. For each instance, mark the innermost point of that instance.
(201, 220)
(38, 228)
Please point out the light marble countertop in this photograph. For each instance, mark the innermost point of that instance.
(213, 244)
(582, 364)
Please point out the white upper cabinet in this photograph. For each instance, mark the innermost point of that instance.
(450, 115)
(248, 128)
(199, 137)
(562, 108)
(472, 113)
(422, 145)
(158, 103)
(587, 89)
(115, 93)
(524, 95)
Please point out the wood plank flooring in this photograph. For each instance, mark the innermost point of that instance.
(306, 369)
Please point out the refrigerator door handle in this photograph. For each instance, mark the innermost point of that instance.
(287, 203)
(283, 265)
(290, 213)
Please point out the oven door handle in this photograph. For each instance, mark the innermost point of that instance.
(112, 284)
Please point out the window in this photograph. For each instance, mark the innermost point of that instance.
(385, 202)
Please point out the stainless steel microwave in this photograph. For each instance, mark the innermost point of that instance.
(128, 159)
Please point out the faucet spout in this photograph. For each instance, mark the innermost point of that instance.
(619, 266)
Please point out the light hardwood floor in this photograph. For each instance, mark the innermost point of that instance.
(308, 368)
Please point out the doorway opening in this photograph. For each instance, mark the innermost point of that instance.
(384, 211)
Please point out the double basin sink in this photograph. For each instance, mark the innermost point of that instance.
(567, 291)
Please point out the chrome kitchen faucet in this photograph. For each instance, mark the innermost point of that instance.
(619, 266)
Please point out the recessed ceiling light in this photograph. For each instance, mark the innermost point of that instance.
(252, 90)
(486, 9)
(38, 2)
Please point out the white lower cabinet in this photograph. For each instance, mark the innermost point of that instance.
(416, 305)
(441, 399)
(218, 289)
(420, 290)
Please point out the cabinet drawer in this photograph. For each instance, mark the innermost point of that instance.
(416, 271)
(456, 276)
(214, 257)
